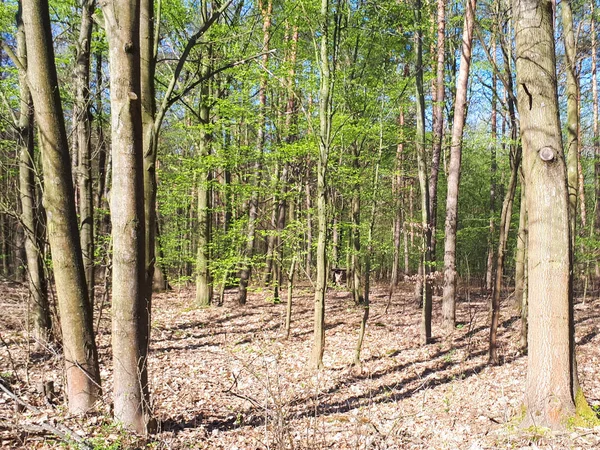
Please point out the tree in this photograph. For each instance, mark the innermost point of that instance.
(324, 138)
(30, 210)
(460, 113)
(130, 313)
(81, 358)
(552, 388)
(82, 142)
(572, 112)
(425, 262)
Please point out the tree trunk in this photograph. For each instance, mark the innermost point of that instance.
(438, 121)
(425, 251)
(523, 242)
(367, 258)
(81, 358)
(356, 269)
(83, 135)
(520, 256)
(260, 142)
(36, 279)
(572, 114)
(504, 226)
(595, 127)
(204, 290)
(551, 374)
(493, 187)
(130, 315)
(460, 106)
(316, 357)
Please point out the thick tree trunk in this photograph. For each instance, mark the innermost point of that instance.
(83, 135)
(460, 106)
(130, 315)
(81, 359)
(551, 374)
(36, 279)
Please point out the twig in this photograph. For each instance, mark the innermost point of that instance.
(61, 431)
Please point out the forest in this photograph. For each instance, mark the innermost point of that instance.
(299, 224)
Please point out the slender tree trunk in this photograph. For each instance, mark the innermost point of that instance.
(260, 142)
(398, 194)
(425, 263)
(523, 241)
(316, 357)
(366, 295)
(493, 187)
(82, 127)
(81, 358)
(130, 315)
(309, 225)
(460, 106)
(520, 256)
(552, 385)
(204, 288)
(504, 226)
(438, 121)
(572, 113)
(595, 127)
(356, 268)
(36, 279)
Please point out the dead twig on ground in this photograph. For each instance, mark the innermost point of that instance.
(61, 431)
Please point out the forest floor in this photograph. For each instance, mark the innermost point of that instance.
(226, 378)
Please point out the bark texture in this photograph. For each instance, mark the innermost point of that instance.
(30, 210)
(316, 357)
(551, 375)
(460, 112)
(130, 315)
(81, 359)
(83, 135)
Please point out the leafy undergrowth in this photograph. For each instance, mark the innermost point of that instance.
(226, 378)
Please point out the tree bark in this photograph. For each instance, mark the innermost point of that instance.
(595, 126)
(520, 255)
(204, 289)
(425, 250)
(493, 175)
(551, 373)
(460, 106)
(572, 114)
(438, 121)
(356, 268)
(260, 142)
(130, 314)
(83, 133)
(316, 357)
(30, 211)
(81, 358)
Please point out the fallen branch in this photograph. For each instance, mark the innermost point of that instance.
(61, 431)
